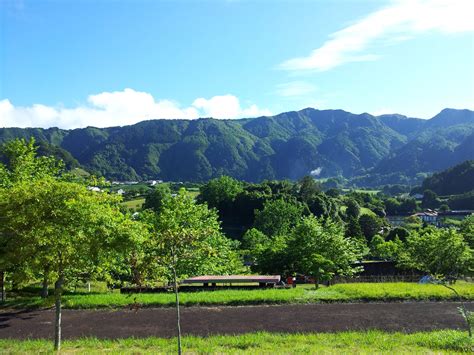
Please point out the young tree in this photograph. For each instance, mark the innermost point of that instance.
(318, 248)
(23, 165)
(63, 226)
(442, 253)
(188, 242)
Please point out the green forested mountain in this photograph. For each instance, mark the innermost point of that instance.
(454, 181)
(288, 145)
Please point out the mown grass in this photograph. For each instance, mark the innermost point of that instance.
(445, 341)
(393, 291)
(356, 292)
(363, 210)
(134, 204)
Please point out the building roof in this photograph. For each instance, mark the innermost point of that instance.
(233, 278)
(427, 213)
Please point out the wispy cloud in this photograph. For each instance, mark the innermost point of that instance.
(122, 108)
(399, 21)
(295, 89)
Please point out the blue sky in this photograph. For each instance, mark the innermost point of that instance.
(102, 63)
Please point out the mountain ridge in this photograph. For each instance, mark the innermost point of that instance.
(288, 145)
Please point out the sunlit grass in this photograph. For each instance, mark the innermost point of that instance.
(446, 341)
(134, 204)
(396, 291)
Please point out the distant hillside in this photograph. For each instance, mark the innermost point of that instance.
(286, 146)
(453, 181)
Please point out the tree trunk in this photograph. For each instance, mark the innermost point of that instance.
(2, 286)
(58, 289)
(44, 289)
(316, 283)
(178, 318)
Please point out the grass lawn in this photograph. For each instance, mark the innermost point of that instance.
(447, 341)
(134, 204)
(397, 291)
(363, 210)
(373, 192)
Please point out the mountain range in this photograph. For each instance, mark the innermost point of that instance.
(369, 149)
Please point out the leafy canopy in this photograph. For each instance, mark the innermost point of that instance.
(318, 248)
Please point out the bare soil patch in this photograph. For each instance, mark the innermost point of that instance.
(202, 321)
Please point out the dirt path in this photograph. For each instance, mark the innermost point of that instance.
(406, 317)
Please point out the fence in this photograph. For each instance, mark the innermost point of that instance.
(376, 278)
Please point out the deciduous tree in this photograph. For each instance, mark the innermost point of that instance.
(318, 248)
(63, 227)
(188, 242)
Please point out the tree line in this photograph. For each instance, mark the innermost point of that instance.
(293, 228)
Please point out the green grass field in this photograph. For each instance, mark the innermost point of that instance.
(363, 210)
(357, 292)
(373, 192)
(447, 341)
(138, 202)
(134, 204)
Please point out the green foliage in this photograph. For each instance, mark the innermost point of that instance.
(400, 206)
(220, 192)
(430, 200)
(321, 205)
(353, 209)
(318, 248)
(60, 226)
(187, 239)
(370, 225)
(22, 163)
(398, 232)
(442, 253)
(462, 202)
(308, 188)
(467, 230)
(453, 181)
(385, 250)
(353, 229)
(278, 216)
(156, 198)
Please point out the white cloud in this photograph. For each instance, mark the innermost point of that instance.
(397, 22)
(316, 172)
(121, 108)
(295, 89)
